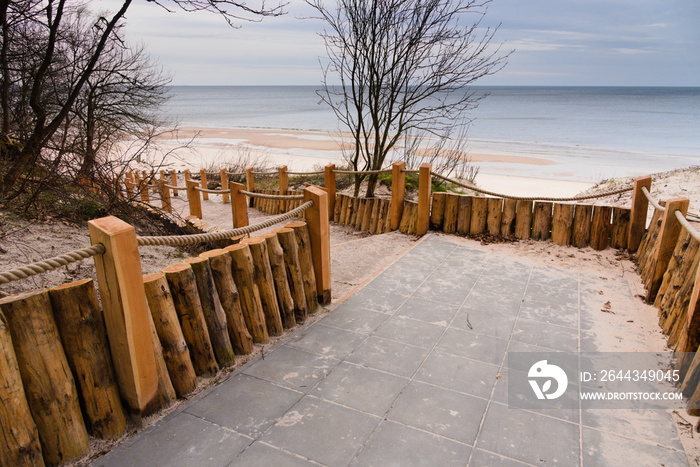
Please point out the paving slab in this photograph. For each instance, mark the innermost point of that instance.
(412, 370)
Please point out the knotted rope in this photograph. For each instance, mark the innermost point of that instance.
(51, 263)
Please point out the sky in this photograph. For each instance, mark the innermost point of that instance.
(554, 43)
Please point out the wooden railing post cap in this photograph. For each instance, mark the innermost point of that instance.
(111, 224)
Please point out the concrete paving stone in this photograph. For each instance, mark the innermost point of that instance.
(458, 373)
(561, 291)
(529, 437)
(609, 450)
(503, 302)
(394, 445)
(245, 404)
(470, 344)
(292, 368)
(182, 440)
(481, 458)
(361, 388)
(390, 356)
(260, 454)
(396, 283)
(552, 313)
(440, 411)
(376, 300)
(546, 335)
(355, 319)
(655, 426)
(517, 346)
(491, 323)
(326, 340)
(428, 311)
(410, 331)
(442, 289)
(322, 431)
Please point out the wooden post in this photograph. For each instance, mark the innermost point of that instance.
(173, 181)
(319, 233)
(46, 376)
(638, 216)
(329, 182)
(220, 262)
(495, 214)
(165, 196)
(279, 276)
(243, 275)
(477, 222)
(450, 218)
(203, 183)
(17, 428)
(290, 247)
(523, 219)
(666, 242)
(283, 186)
(166, 392)
(193, 199)
(398, 189)
(125, 311)
(437, 214)
(214, 315)
(600, 227)
(143, 188)
(266, 285)
(581, 231)
(542, 221)
(508, 218)
(175, 352)
(463, 214)
(223, 176)
(691, 340)
(82, 329)
(250, 183)
(425, 181)
(239, 206)
(183, 287)
(562, 222)
(619, 236)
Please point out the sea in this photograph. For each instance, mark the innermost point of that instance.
(586, 133)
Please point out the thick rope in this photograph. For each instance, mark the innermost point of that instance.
(175, 187)
(265, 173)
(51, 263)
(684, 222)
(529, 198)
(235, 174)
(216, 192)
(407, 171)
(362, 172)
(221, 235)
(306, 173)
(652, 201)
(253, 194)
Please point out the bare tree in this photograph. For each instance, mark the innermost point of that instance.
(401, 66)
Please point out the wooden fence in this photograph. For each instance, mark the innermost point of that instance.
(67, 365)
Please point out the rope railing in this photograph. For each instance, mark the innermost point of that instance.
(235, 174)
(362, 172)
(253, 194)
(684, 222)
(172, 240)
(652, 201)
(183, 188)
(51, 264)
(530, 198)
(216, 192)
(265, 173)
(321, 172)
(408, 171)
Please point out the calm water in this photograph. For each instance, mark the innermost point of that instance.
(589, 132)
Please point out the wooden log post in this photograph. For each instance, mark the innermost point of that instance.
(638, 216)
(464, 213)
(308, 261)
(619, 236)
(174, 348)
(173, 181)
(437, 213)
(187, 175)
(143, 188)
(214, 315)
(82, 329)
(367, 214)
(220, 262)
(188, 306)
(223, 176)
(250, 184)
(450, 218)
(290, 247)
(329, 182)
(508, 217)
(18, 431)
(239, 205)
(203, 183)
(193, 199)
(283, 187)
(337, 208)
(375, 216)
(477, 223)
(319, 236)
(494, 216)
(562, 223)
(425, 180)
(243, 276)
(125, 311)
(523, 219)
(165, 202)
(581, 231)
(279, 276)
(46, 376)
(542, 221)
(666, 242)
(266, 285)
(600, 227)
(398, 190)
(166, 392)
(690, 329)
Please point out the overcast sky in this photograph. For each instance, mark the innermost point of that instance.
(555, 42)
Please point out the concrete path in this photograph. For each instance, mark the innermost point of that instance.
(411, 371)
